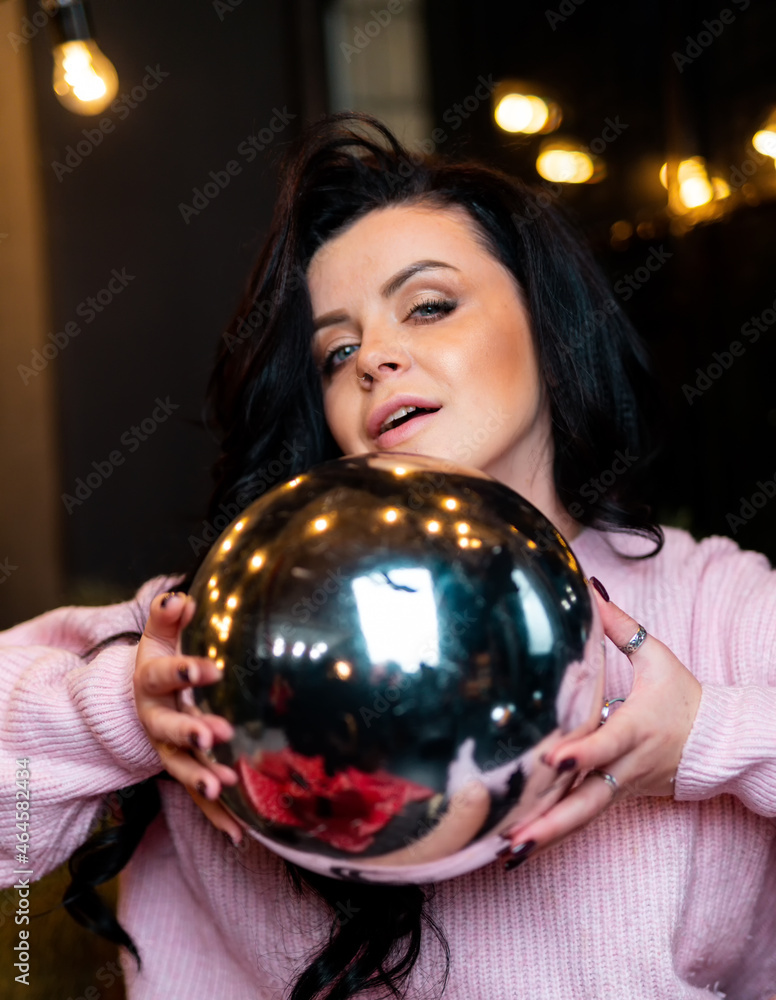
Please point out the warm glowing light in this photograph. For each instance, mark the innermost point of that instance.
(227, 545)
(84, 80)
(257, 561)
(475, 543)
(391, 515)
(464, 543)
(621, 230)
(565, 166)
(462, 528)
(240, 525)
(721, 188)
(214, 595)
(530, 543)
(450, 503)
(220, 664)
(212, 652)
(433, 527)
(320, 524)
(764, 141)
(232, 602)
(400, 471)
(521, 113)
(293, 482)
(695, 187)
(343, 669)
(212, 581)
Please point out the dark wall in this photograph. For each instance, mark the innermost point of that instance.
(605, 62)
(203, 77)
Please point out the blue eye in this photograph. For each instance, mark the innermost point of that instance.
(337, 357)
(430, 310)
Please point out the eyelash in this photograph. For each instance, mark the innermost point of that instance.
(445, 307)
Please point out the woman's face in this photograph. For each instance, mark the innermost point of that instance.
(411, 311)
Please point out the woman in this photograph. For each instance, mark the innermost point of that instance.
(400, 305)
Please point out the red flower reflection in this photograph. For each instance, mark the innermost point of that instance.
(345, 810)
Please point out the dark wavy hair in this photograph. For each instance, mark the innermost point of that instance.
(265, 404)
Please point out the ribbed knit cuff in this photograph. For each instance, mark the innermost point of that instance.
(732, 748)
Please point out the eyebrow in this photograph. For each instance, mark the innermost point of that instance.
(392, 285)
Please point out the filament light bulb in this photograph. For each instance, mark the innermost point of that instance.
(85, 81)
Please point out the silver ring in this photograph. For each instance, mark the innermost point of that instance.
(606, 711)
(363, 378)
(610, 779)
(633, 644)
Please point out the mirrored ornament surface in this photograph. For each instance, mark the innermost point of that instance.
(401, 641)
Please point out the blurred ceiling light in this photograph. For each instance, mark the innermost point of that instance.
(695, 187)
(85, 81)
(565, 162)
(764, 141)
(516, 109)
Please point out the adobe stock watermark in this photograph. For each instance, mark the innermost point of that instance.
(122, 107)
(224, 7)
(249, 148)
(710, 30)
(740, 174)
(596, 487)
(363, 36)
(260, 313)
(750, 506)
(563, 13)
(543, 195)
(263, 480)
(454, 116)
(132, 438)
(88, 310)
(6, 568)
(706, 377)
(32, 25)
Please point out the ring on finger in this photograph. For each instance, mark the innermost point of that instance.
(606, 711)
(610, 779)
(634, 642)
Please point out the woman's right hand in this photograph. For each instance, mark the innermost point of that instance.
(160, 672)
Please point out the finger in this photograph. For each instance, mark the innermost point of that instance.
(161, 675)
(219, 817)
(619, 736)
(618, 624)
(177, 729)
(578, 809)
(195, 776)
(165, 618)
(222, 730)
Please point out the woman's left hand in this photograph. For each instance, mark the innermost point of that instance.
(640, 745)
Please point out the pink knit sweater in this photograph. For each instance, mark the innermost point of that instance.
(655, 899)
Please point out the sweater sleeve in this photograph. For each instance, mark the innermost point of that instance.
(732, 745)
(73, 720)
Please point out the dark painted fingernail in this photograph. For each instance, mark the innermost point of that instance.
(183, 673)
(229, 839)
(506, 849)
(566, 765)
(202, 789)
(520, 854)
(194, 740)
(169, 597)
(600, 588)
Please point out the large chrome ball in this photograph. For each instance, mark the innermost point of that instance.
(401, 640)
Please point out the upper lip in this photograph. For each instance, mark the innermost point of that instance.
(381, 414)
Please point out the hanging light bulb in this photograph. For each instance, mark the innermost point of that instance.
(85, 81)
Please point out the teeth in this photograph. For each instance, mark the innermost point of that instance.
(397, 415)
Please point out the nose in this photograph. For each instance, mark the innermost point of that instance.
(381, 355)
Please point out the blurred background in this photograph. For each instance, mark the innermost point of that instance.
(126, 236)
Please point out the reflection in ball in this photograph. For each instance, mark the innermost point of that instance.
(401, 641)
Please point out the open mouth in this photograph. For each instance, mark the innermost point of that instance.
(403, 415)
